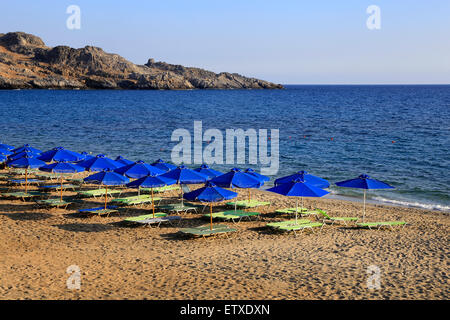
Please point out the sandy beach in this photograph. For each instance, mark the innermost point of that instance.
(118, 262)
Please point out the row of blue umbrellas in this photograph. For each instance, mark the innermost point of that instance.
(118, 171)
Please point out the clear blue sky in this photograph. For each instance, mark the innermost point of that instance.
(305, 42)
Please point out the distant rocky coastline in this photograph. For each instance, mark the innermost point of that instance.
(27, 63)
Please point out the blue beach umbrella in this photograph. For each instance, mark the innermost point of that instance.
(298, 188)
(22, 154)
(26, 147)
(85, 156)
(210, 193)
(183, 175)
(5, 152)
(123, 161)
(238, 179)
(61, 167)
(207, 171)
(59, 154)
(138, 170)
(26, 163)
(160, 164)
(99, 163)
(107, 178)
(258, 176)
(309, 178)
(151, 181)
(6, 146)
(364, 182)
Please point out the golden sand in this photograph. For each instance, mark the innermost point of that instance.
(117, 262)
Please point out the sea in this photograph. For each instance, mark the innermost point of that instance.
(399, 134)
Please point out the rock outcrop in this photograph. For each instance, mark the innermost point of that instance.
(27, 63)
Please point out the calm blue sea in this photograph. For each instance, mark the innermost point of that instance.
(336, 132)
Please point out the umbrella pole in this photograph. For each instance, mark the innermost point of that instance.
(181, 186)
(249, 196)
(26, 180)
(153, 205)
(210, 211)
(302, 204)
(364, 206)
(61, 187)
(296, 210)
(106, 196)
(139, 191)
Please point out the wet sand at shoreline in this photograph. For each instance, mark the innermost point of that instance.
(118, 262)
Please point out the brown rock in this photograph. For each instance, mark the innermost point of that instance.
(25, 62)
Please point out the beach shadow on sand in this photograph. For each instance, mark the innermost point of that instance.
(85, 227)
(27, 216)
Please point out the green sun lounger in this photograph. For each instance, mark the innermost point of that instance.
(242, 214)
(144, 217)
(5, 176)
(46, 175)
(161, 189)
(232, 215)
(132, 198)
(380, 224)
(57, 187)
(290, 210)
(97, 192)
(205, 231)
(300, 227)
(248, 204)
(141, 202)
(287, 223)
(327, 218)
(24, 195)
(222, 216)
(158, 220)
(177, 208)
(54, 203)
(76, 181)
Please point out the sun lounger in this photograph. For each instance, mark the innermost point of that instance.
(205, 231)
(46, 175)
(57, 187)
(222, 216)
(98, 192)
(5, 176)
(76, 181)
(144, 217)
(100, 211)
(22, 181)
(139, 201)
(132, 198)
(24, 195)
(247, 204)
(54, 203)
(287, 223)
(243, 214)
(158, 221)
(177, 208)
(300, 227)
(161, 189)
(380, 224)
(232, 215)
(327, 218)
(290, 210)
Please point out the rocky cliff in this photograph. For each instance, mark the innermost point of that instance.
(27, 63)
